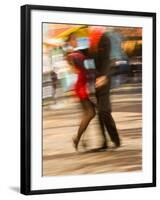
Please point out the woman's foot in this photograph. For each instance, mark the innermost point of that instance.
(75, 142)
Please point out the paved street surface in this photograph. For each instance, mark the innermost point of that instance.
(60, 124)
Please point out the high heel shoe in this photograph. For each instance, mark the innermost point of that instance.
(75, 143)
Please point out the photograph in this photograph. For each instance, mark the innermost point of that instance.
(92, 99)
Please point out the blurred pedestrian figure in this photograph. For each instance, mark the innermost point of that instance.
(76, 60)
(118, 58)
(54, 84)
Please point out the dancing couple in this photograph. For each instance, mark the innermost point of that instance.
(99, 50)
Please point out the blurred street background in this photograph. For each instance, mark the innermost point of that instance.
(62, 111)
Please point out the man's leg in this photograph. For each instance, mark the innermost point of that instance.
(111, 127)
(104, 108)
(102, 129)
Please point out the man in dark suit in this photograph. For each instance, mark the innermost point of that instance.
(100, 51)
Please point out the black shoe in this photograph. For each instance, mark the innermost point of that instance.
(117, 144)
(104, 147)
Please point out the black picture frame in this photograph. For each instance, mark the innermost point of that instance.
(25, 182)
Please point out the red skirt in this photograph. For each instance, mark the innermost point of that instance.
(81, 86)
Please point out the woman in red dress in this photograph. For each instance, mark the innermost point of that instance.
(76, 60)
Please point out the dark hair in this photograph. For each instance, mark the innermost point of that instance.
(76, 59)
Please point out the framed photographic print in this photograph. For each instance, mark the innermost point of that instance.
(88, 99)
